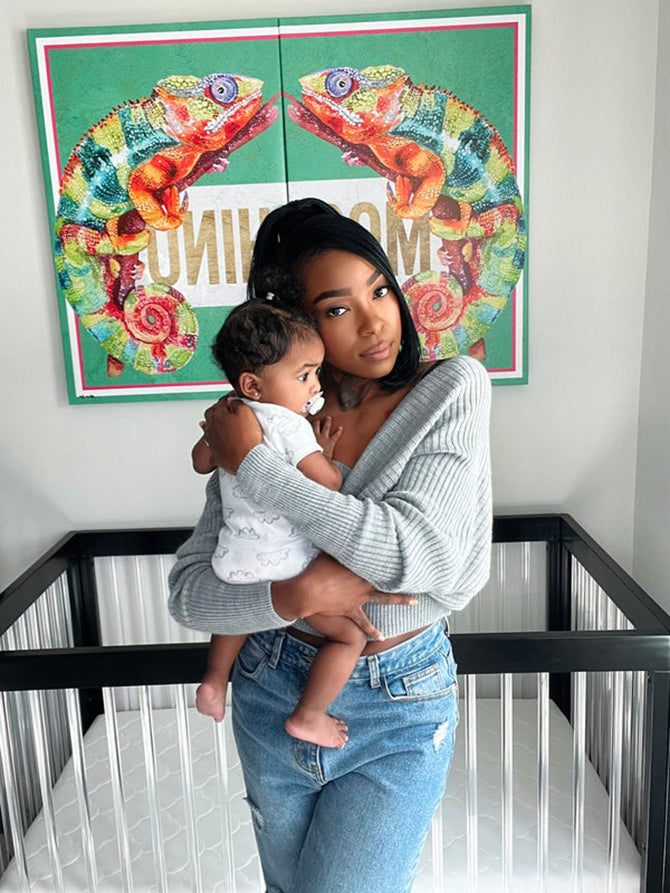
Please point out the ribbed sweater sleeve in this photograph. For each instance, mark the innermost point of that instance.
(424, 523)
(199, 600)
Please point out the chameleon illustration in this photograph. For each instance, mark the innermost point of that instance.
(127, 176)
(441, 158)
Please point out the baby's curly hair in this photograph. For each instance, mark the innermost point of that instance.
(258, 332)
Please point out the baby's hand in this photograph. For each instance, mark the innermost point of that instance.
(326, 436)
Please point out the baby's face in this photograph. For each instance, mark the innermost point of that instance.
(295, 378)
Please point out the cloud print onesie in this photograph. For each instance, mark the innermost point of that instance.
(256, 542)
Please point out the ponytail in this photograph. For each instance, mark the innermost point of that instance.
(269, 249)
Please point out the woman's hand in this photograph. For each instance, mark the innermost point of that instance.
(327, 587)
(230, 429)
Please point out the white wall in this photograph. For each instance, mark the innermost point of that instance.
(565, 442)
(652, 507)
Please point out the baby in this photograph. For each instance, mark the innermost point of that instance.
(272, 355)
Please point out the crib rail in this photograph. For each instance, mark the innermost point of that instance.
(601, 654)
(478, 654)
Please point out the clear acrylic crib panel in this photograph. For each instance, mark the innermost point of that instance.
(159, 806)
(132, 597)
(513, 600)
(132, 606)
(46, 624)
(605, 695)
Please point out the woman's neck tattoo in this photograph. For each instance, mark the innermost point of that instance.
(351, 391)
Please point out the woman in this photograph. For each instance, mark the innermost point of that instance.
(413, 518)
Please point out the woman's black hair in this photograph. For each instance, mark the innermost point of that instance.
(307, 227)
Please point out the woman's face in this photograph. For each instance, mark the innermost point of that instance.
(356, 310)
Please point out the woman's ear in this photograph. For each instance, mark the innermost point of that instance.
(249, 386)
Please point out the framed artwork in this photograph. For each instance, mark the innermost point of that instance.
(165, 146)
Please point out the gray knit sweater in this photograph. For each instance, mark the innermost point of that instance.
(413, 515)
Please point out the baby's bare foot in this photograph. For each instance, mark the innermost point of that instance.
(317, 728)
(210, 698)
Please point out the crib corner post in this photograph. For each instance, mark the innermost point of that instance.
(86, 627)
(656, 845)
(559, 612)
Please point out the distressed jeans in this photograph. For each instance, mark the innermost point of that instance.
(351, 820)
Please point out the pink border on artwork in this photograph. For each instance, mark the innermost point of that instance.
(280, 36)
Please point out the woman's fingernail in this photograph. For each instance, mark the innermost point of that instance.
(414, 601)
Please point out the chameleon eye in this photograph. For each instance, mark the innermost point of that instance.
(339, 83)
(223, 89)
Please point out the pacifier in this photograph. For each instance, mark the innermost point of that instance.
(314, 404)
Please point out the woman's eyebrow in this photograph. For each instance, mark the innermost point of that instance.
(333, 293)
(343, 292)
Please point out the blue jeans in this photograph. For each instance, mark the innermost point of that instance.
(351, 820)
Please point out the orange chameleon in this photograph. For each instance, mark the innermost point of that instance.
(445, 160)
(126, 177)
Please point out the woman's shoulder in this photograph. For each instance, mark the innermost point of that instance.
(455, 374)
(457, 387)
(456, 405)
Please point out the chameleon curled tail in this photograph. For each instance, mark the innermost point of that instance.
(441, 158)
(150, 328)
(126, 177)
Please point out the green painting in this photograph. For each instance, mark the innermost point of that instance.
(165, 146)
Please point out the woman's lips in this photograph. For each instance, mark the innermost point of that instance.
(380, 351)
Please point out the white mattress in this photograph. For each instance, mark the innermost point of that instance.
(247, 873)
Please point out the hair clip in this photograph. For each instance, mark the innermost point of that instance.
(270, 296)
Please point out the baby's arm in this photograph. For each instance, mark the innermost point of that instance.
(201, 457)
(201, 454)
(319, 467)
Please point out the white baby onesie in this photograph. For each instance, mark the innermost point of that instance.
(257, 543)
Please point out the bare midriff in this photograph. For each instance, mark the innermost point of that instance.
(370, 648)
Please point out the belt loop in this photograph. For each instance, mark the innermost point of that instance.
(276, 649)
(373, 667)
(447, 627)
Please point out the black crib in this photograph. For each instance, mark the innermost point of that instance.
(602, 664)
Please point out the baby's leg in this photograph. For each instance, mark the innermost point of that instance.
(329, 672)
(210, 697)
